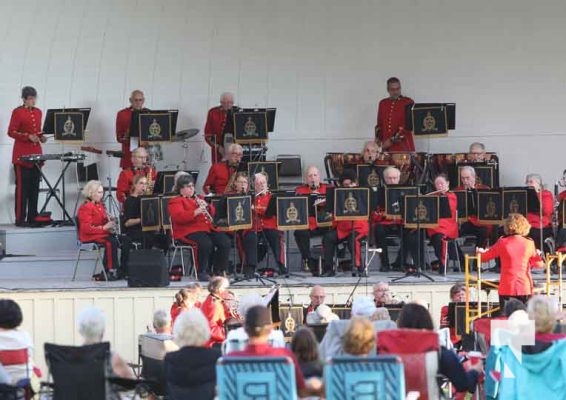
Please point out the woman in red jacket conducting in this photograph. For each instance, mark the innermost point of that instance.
(192, 225)
(96, 226)
(547, 204)
(518, 255)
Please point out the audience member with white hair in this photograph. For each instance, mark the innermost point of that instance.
(190, 372)
(237, 339)
(91, 324)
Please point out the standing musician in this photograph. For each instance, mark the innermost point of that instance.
(388, 226)
(219, 122)
(546, 201)
(312, 185)
(267, 226)
(353, 231)
(25, 129)
(132, 217)
(139, 167)
(222, 174)
(390, 129)
(216, 310)
(192, 224)
(123, 120)
(472, 226)
(246, 240)
(95, 225)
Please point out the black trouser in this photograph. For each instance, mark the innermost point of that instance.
(561, 238)
(480, 232)
(534, 234)
(275, 240)
(503, 298)
(412, 245)
(27, 193)
(381, 232)
(246, 243)
(303, 240)
(207, 245)
(330, 241)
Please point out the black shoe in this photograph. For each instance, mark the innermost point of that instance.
(314, 267)
(22, 224)
(354, 273)
(328, 274)
(98, 277)
(283, 272)
(384, 269)
(362, 272)
(203, 277)
(112, 275)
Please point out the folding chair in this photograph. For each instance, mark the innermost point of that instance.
(21, 389)
(152, 350)
(87, 247)
(375, 377)
(419, 350)
(178, 245)
(79, 372)
(243, 378)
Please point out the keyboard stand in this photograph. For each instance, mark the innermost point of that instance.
(53, 193)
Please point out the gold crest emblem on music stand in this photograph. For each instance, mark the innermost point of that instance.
(154, 130)
(491, 209)
(429, 123)
(350, 204)
(292, 214)
(421, 212)
(69, 127)
(250, 128)
(239, 212)
(290, 324)
(373, 179)
(513, 206)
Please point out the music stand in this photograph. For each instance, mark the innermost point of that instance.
(66, 124)
(154, 126)
(269, 168)
(165, 180)
(489, 206)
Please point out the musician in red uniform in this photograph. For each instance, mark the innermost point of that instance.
(518, 255)
(96, 226)
(390, 129)
(25, 129)
(123, 119)
(447, 227)
(546, 200)
(138, 167)
(266, 226)
(191, 225)
(561, 234)
(220, 173)
(385, 226)
(352, 231)
(472, 226)
(219, 122)
(371, 151)
(215, 309)
(314, 186)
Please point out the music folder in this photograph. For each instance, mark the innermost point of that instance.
(421, 211)
(154, 126)
(66, 124)
(270, 114)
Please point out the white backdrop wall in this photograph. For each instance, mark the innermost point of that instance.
(322, 63)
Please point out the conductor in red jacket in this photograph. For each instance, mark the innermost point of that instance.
(192, 225)
(96, 226)
(123, 120)
(25, 129)
(518, 255)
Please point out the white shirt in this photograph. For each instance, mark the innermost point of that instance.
(237, 339)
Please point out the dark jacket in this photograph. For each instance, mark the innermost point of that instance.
(190, 373)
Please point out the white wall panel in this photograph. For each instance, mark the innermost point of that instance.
(322, 63)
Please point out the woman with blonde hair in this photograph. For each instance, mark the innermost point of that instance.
(360, 337)
(518, 255)
(185, 299)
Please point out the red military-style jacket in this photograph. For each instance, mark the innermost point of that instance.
(260, 206)
(215, 121)
(547, 200)
(123, 119)
(448, 226)
(391, 117)
(344, 228)
(92, 217)
(306, 190)
(216, 312)
(126, 178)
(25, 122)
(182, 212)
(218, 177)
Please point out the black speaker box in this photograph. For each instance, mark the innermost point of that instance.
(147, 268)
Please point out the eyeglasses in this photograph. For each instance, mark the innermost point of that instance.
(189, 185)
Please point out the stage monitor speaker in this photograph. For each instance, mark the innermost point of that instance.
(147, 268)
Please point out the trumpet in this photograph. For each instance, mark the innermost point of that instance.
(203, 206)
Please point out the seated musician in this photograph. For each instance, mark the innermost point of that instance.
(382, 294)
(388, 226)
(547, 203)
(191, 220)
(477, 152)
(472, 226)
(457, 295)
(561, 234)
(220, 173)
(266, 227)
(312, 185)
(139, 167)
(96, 226)
(447, 227)
(215, 309)
(132, 218)
(246, 240)
(371, 151)
(352, 231)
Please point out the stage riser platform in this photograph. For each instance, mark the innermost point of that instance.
(34, 241)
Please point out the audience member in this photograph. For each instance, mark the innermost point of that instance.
(513, 305)
(185, 299)
(543, 310)
(190, 372)
(415, 316)
(305, 348)
(359, 338)
(162, 323)
(258, 326)
(91, 324)
(317, 297)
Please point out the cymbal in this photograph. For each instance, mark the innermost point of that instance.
(186, 134)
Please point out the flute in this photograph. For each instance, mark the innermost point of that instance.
(436, 192)
(261, 192)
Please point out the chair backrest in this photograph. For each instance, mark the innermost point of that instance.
(419, 350)
(152, 352)
(16, 363)
(79, 372)
(243, 378)
(376, 377)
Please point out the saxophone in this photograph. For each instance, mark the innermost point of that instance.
(150, 181)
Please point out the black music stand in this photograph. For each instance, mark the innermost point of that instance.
(292, 212)
(154, 126)
(150, 213)
(66, 124)
(165, 181)
(269, 168)
(489, 206)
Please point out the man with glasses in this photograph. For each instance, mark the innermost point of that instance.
(138, 167)
(317, 297)
(220, 123)
(477, 152)
(382, 295)
(221, 173)
(123, 119)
